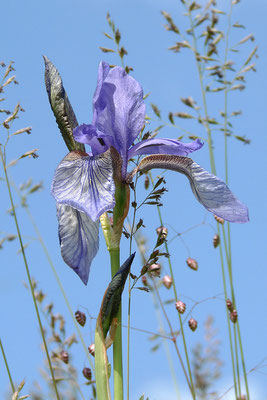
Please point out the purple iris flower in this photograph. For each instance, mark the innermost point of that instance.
(84, 187)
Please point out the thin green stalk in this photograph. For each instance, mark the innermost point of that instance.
(129, 298)
(166, 345)
(7, 367)
(237, 362)
(49, 259)
(228, 319)
(28, 273)
(176, 299)
(117, 344)
(226, 180)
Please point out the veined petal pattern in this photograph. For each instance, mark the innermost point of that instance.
(209, 190)
(85, 183)
(79, 239)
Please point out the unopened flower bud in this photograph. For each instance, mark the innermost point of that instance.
(144, 280)
(219, 219)
(233, 316)
(146, 182)
(64, 356)
(242, 397)
(229, 305)
(216, 241)
(192, 324)
(192, 263)
(167, 281)
(91, 349)
(87, 373)
(154, 269)
(180, 306)
(80, 317)
(162, 231)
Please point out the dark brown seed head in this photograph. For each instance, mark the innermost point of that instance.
(87, 373)
(192, 324)
(144, 280)
(216, 241)
(192, 263)
(219, 219)
(146, 182)
(162, 231)
(80, 317)
(91, 349)
(154, 269)
(233, 316)
(229, 305)
(180, 306)
(64, 356)
(167, 281)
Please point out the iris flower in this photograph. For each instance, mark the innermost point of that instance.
(84, 184)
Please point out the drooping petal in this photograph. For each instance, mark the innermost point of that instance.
(120, 109)
(88, 134)
(209, 190)
(85, 183)
(79, 240)
(164, 146)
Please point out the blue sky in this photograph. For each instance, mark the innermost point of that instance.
(69, 33)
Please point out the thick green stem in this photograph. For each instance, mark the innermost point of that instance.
(117, 344)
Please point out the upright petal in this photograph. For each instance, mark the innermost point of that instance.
(164, 146)
(120, 109)
(85, 183)
(209, 190)
(79, 240)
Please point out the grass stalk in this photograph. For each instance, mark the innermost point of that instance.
(28, 273)
(7, 367)
(176, 299)
(49, 259)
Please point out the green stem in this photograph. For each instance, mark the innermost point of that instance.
(227, 314)
(176, 299)
(117, 344)
(7, 367)
(28, 274)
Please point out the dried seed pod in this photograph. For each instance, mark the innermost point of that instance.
(80, 317)
(144, 280)
(192, 263)
(233, 316)
(192, 324)
(216, 241)
(219, 219)
(64, 356)
(167, 281)
(162, 231)
(180, 306)
(154, 269)
(146, 182)
(91, 349)
(87, 373)
(229, 305)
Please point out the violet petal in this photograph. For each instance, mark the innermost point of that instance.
(85, 183)
(79, 239)
(164, 146)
